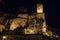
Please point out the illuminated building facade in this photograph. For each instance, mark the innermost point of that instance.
(36, 22)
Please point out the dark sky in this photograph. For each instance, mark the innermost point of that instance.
(51, 9)
(52, 13)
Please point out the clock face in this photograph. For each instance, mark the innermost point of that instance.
(40, 8)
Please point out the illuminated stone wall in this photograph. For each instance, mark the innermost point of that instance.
(19, 22)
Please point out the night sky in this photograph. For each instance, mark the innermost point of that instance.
(51, 9)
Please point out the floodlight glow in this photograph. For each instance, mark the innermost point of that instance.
(4, 37)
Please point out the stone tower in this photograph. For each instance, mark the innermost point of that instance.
(41, 15)
(37, 22)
